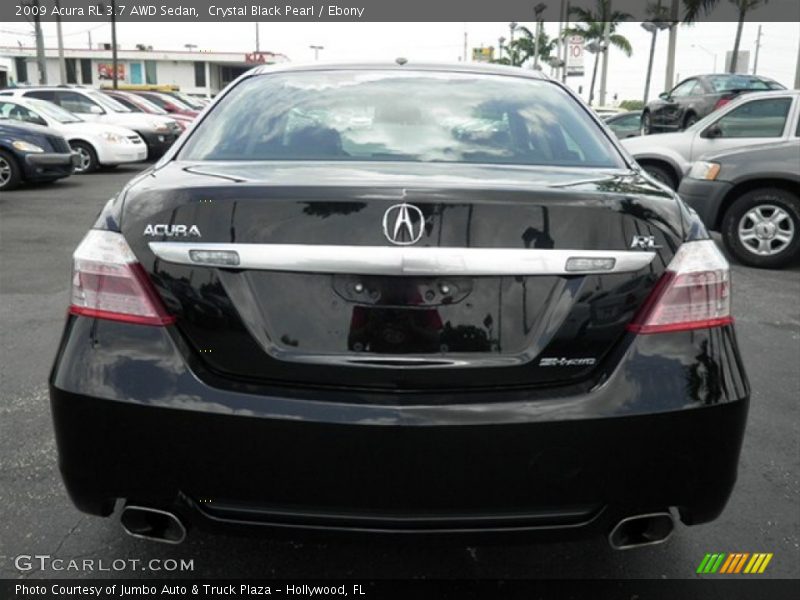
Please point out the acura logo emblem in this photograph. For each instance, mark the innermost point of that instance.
(403, 224)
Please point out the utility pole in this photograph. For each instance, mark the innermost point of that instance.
(465, 46)
(258, 42)
(669, 79)
(537, 11)
(89, 33)
(606, 44)
(114, 82)
(797, 70)
(565, 47)
(758, 47)
(41, 62)
(62, 65)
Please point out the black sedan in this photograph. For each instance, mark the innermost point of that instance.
(695, 97)
(400, 300)
(32, 153)
(752, 196)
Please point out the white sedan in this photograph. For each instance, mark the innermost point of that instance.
(97, 144)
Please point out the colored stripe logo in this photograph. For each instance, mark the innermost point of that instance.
(733, 563)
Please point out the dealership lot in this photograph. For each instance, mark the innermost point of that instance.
(39, 228)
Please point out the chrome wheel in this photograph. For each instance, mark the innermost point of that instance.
(84, 160)
(5, 172)
(766, 230)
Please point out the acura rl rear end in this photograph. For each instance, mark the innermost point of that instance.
(399, 300)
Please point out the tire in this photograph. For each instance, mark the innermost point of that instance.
(10, 176)
(647, 123)
(662, 175)
(690, 120)
(88, 162)
(762, 228)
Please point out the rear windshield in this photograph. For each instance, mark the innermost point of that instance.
(727, 83)
(408, 116)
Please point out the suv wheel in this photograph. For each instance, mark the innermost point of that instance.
(9, 172)
(88, 157)
(762, 228)
(690, 120)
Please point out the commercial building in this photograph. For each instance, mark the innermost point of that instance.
(194, 72)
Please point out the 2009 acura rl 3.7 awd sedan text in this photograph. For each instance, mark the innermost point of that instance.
(399, 299)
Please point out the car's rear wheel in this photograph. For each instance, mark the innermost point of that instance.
(690, 120)
(87, 162)
(762, 228)
(9, 172)
(661, 174)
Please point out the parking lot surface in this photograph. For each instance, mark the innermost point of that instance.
(39, 228)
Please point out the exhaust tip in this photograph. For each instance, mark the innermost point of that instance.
(642, 530)
(152, 524)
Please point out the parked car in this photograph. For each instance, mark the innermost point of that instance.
(192, 102)
(752, 196)
(158, 132)
(140, 104)
(32, 153)
(698, 96)
(465, 316)
(753, 119)
(625, 125)
(96, 144)
(168, 103)
(607, 111)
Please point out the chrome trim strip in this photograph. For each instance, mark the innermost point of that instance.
(402, 260)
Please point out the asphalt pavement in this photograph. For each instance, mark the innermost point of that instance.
(39, 228)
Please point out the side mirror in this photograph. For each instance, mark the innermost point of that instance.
(712, 132)
(664, 95)
(96, 110)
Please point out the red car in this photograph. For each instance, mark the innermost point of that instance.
(169, 103)
(140, 104)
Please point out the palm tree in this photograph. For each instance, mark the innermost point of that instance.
(695, 7)
(591, 26)
(522, 48)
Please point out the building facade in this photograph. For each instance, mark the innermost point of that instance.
(193, 72)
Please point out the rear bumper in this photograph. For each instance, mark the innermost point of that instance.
(158, 432)
(705, 197)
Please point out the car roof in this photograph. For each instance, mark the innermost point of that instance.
(476, 68)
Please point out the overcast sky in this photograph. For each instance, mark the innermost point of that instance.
(442, 42)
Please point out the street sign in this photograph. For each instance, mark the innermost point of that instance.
(575, 53)
(483, 54)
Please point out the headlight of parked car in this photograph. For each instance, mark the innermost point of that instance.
(704, 170)
(158, 126)
(23, 146)
(113, 137)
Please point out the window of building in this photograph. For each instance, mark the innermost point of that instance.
(72, 70)
(200, 74)
(86, 70)
(150, 72)
(22, 69)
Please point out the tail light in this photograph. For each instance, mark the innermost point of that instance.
(721, 102)
(693, 293)
(109, 283)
